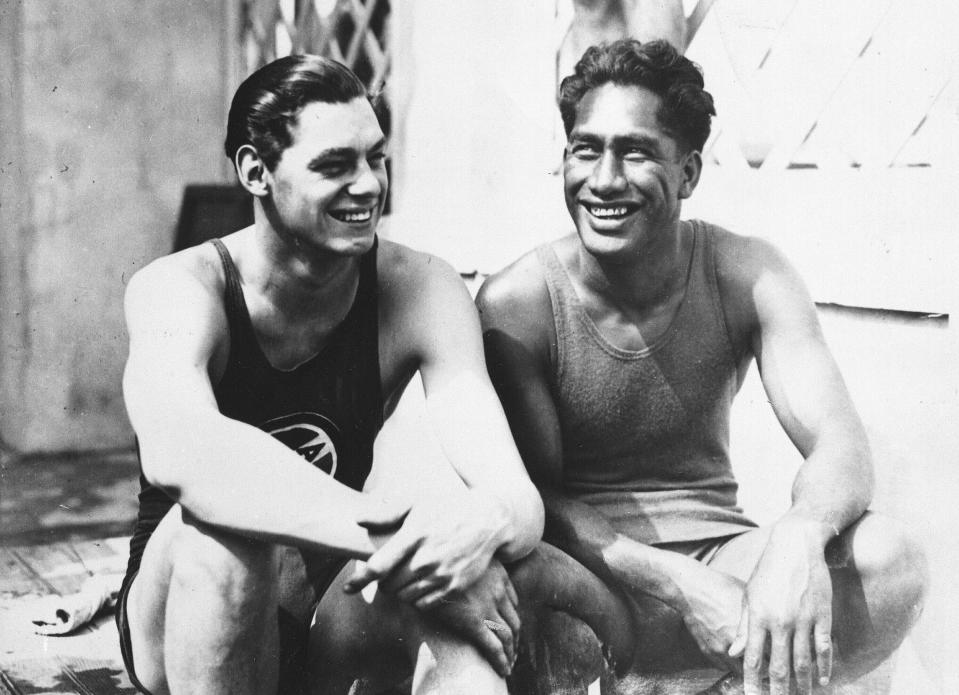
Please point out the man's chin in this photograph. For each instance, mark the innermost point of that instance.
(607, 246)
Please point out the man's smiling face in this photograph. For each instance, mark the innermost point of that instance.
(329, 186)
(624, 173)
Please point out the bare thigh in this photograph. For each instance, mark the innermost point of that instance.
(879, 578)
(147, 601)
(199, 594)
(350, 640)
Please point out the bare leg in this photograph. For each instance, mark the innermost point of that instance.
(602, 21)
(879, 579)
(384, 642)
(202, 611)
(574, 627)
(649, 20)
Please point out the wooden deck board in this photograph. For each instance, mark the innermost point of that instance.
(17, 577)
(86, 662)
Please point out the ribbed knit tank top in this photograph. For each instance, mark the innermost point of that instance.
(329, 409)
(645, 433)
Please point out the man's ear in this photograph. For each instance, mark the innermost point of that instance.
(692, 168)
(252, 172)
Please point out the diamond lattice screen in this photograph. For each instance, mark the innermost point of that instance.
(354, 32)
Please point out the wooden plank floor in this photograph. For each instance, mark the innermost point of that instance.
(87, 662)
(63, 520)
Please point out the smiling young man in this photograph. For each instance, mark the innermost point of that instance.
(617, 352)
(261, 368)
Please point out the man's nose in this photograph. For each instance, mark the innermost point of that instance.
(366, 182)
(608, 174)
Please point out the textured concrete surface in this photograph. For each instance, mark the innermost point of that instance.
(122, 104)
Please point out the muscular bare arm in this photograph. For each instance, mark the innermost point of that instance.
(222, 471)
(788, 598)
(498, 511)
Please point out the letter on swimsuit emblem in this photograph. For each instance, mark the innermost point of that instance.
(311, 435)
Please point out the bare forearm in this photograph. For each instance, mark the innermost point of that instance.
(834, 486)
(486, 460)
(523, 519)
(587, 536)
(231, 475)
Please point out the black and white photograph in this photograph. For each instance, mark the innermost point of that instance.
(517, 347)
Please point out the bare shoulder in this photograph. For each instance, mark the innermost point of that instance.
(515, 296)
(399, 264)
(416, 281)
(742, 260)
(193, 270)
(177, 300)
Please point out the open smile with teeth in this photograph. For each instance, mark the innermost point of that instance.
(610, 212)
(352, 215)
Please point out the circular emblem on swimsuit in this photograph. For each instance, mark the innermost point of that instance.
(311, 435)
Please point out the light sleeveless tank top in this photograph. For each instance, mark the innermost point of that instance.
(645, 433)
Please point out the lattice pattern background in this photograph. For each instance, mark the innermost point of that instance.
(354, 32)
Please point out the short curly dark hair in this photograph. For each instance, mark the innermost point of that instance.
(267, 104)
(686, 107)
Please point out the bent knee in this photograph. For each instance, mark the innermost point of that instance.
(236, 568)
(551, 577)
(888, 555)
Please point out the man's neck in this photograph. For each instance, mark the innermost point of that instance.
(649, 278)
(296, 279)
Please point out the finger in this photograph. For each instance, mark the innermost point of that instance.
(780, 658)
(802, 659)
(508, 610)
(738, 646)
(510, 617)
(403, 576)
(383, 516)
(415, 590)
(753, 659)
(433, 599)
(504, 633)
(380, 563)
(511, 593)
(823, 640)
(491, 647)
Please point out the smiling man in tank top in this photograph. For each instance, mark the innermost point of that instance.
(261, 368)
(617, 352)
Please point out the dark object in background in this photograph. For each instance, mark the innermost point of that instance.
(209, 211)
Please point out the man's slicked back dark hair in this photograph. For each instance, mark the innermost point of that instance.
(657, 66)
(266, 105)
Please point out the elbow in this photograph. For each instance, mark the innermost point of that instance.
(537, 518)
(530, 520)
(160, 469)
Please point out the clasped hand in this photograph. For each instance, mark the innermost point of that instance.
(442, 546)
(440, 560)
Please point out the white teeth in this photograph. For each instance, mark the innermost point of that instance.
(354, 216)
(607, 212)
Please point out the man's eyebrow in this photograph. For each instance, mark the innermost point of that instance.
(638, 139)
(344, 152)
(580, 136)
